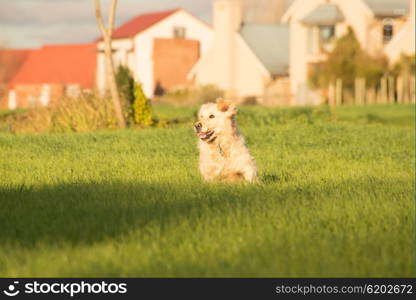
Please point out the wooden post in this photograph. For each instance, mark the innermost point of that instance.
(391, 89)
(399, 88)
(406, 88)
(338, 91)
(383, 90)
(332, 101)
(371, 96)
(359, 91)
(363, 89)
(331, 95)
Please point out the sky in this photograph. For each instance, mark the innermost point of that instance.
(32, 23)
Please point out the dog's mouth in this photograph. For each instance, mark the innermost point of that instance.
(205, 136)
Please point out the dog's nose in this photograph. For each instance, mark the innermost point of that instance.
(198, 126)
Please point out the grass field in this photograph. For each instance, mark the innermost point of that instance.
(337, 199)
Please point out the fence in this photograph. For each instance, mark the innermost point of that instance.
(391, 89)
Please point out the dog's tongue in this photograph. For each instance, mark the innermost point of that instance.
(201, 134)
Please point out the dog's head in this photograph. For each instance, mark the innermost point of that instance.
(214, 119)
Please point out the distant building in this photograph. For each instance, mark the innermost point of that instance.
(159, 48)
(249, 55)
(50, 73)
(11, 61)
(248, 61)
(383, 27)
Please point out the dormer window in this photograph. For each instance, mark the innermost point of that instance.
(387, 30)
(179, 32)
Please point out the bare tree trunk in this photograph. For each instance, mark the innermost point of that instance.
(110, 74)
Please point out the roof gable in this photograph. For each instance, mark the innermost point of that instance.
(141, 23)
(62, 64)
(10, 61)
(270, 43)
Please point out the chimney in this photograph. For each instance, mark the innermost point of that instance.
(228, 16)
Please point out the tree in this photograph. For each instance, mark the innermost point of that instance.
(108, 51)
(126, 85)
(348, 61)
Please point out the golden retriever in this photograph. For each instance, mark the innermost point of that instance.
(224, 155)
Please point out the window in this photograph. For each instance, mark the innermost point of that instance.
(387, 30)
(326, 33)
(179, 32)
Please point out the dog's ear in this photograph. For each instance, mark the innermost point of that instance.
(222, 105)
(226, 106)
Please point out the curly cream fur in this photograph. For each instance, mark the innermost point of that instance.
(224, 155)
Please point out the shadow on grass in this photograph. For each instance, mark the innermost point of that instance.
(269, 178)
(85, 213)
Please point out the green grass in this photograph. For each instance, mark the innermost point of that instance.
(337, 199)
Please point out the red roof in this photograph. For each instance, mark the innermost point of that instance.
(64, 64)
(140, 23)
(10, 62)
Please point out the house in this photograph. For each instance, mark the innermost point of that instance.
(246, 60)
(10, 62)
(51, 72)
(159, 48)
(383, 27)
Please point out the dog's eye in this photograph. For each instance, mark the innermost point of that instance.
(211, 116)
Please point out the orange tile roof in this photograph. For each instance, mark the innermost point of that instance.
(64, 64)
(10, 62)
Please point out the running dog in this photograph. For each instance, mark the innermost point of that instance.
(224, 155)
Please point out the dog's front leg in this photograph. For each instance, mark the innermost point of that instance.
(210, 172)
(250, 175)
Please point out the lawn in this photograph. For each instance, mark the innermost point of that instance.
(336, 199)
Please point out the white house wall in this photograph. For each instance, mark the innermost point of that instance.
(298, 68)
(241, 76)
(137, 52)
(404, 41)
(120, 57)
(357, 15)
(143, 44)
(251, 76)
(230, 64)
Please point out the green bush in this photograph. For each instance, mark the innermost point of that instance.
(348, 61)
(125, 83)
(142, 107)
(405, 65)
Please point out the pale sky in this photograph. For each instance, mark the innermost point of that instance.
(32, 23)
